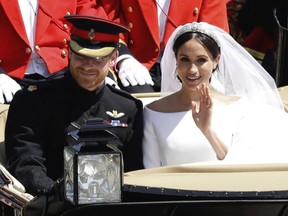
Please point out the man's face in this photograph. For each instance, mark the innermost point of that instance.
(90, 73)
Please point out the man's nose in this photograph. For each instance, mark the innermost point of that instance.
(89, 62)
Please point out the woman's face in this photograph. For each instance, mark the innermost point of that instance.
(90, 73)
(194, 64)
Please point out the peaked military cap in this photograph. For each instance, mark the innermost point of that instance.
(94, 37)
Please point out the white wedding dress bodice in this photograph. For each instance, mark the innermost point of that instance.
(250, 131)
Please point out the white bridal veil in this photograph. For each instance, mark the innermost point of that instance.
(238, 73)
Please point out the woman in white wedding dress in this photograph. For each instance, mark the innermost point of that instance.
(226, 106)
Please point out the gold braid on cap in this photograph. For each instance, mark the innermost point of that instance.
(194, 28)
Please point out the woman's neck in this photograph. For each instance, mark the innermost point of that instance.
(188, 95)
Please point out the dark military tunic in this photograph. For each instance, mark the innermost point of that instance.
(37, 123)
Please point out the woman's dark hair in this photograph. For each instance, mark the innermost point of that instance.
(208, 42)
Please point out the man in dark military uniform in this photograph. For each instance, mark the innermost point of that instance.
(36, 130)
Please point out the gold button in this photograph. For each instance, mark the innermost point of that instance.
(130, 25)
(67, 13)
(130, 9)
(131, 42)
(196, 11)
(64, 41)
(63, 53)
(28, 50)
(239, 6)
(156, 50)
(37, 48)
(65, 26)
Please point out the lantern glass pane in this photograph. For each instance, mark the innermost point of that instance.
(68, 175)
(99, 178)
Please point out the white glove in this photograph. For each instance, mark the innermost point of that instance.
(8, 87)
(133, 72)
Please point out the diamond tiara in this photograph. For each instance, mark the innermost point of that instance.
(196, 27)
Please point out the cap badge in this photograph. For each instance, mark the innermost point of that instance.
(91, 34)
(32, 88)
(115, 114)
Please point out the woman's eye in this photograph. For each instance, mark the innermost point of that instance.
(201, 60)
(184, 59)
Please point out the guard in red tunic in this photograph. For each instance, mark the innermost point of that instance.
(34, 40)
(151, 23)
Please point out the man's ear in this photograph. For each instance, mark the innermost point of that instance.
(113, 58)
(111, 63)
